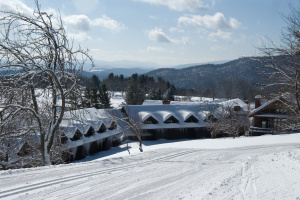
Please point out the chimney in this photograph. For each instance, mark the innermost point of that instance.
(257, 101)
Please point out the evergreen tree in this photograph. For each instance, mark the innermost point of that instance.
(155, 94)
(135, 95)
(95, 98)
(169, 94)
(104, 98)
(87, 99)
(159, 95)
(94, 81)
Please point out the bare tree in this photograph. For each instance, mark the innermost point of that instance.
(35, 53)
(130, 123)
(228, 120)
(282, 66)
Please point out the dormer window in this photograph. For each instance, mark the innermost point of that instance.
(171, 119)
(192, 118)
(77, 135)
(150, 120)
(90, 132)
(113, 126)
(237, 108)
(102, 129)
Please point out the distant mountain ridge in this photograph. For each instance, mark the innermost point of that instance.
(196, 64)
(191, 77)
(102, 73)
(245, 68)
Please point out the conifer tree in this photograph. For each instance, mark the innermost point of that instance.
(135, 95)
(169, 94)
(104, 98)
(95, 98)
(87, 99)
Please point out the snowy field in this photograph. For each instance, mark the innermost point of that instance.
(266, 167)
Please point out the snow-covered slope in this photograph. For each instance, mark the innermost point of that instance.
(266, 167)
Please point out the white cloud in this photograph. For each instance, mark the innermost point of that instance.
(179, 5)
(155, 49)
(176, 29)
(84, 23)
(216, 48)
(109, 23)
(81, 37)
(185, 40)
(234, 23)
(216, 21)
(152, 17)
(220, 35)
(78, 22)
(15, 5)
(159, 36)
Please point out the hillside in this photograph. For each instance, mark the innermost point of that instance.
(191, 77)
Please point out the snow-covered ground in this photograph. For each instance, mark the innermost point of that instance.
(266, 167)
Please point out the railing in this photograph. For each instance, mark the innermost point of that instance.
(259, 130)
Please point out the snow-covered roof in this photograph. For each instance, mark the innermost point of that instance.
(69, 131)
(260, 108)
(91, 114)
(95, 124)
(85, 119)
(152, 102)
(186, 114)
(161, 113)
(181, 112)
(146, 115)
(264, 106)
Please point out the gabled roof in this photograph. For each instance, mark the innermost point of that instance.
(70, 131)
(171, 119)
(187, 114)
(87, 121)
(167, 115)
(109, 122)
(84, 128)
(190, 117)
(89, 117)
(281, 98)
(95, 124)
(146, 115)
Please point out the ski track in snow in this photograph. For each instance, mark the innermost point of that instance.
(264, 172)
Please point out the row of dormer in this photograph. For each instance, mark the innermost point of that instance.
(74, 130)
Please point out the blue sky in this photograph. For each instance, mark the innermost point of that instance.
(167, 32)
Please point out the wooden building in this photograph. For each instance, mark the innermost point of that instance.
(270, 117)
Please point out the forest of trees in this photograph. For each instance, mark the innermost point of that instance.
(137, 88)
(224, 87)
